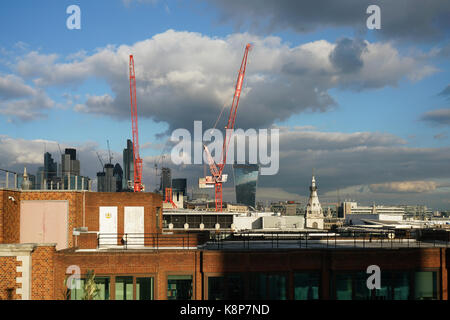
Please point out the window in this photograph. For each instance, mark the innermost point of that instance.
(266, 286)
(343, 284)
(102, 285)
(306, 286)
(179, 287)
(229, 287)
(144, 288)
(216, 288)
(395, 285)
(425, 285)
(158, 213)
(124, 288)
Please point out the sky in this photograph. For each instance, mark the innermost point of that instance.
(368, 110)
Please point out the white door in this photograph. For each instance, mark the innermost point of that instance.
(134, 225)
(108, 225)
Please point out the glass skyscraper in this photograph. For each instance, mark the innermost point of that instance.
(128, 167)
(245, 182)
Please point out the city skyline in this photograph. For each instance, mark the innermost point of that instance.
(369, 109)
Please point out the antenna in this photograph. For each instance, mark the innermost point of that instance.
(109, 152)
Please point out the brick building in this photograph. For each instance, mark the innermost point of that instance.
(119, 236)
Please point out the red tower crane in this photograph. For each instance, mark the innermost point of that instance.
(137, 161)
(216, 169)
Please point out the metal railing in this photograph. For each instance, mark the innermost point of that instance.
(147, 240)
(385, 239)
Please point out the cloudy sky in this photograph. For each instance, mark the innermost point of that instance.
(369, 110)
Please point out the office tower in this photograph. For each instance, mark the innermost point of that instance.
(50, 167)
(245, 182)
(118, 174)
(106, 181)
(101, 181)
(69, 164)
(166, 180)
(40, 179)
(179, 185)
(128, 167)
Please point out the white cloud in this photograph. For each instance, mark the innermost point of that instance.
(404, 186)
(187, 76)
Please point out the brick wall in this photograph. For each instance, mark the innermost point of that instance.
(151, 263)
(9, 216)
(149, 201)
(42, 274)
(200, 264)
(8, 276)
(89, 217)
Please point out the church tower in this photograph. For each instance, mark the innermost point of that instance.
(314, 215)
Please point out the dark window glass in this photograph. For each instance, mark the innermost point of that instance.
(144, 288)
(235, 287)
(179, 287)
(216, 288)
(306, 286)
(343, 284)
(267, 286)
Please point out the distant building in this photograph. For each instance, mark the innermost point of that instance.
(39, 179)
(355, 214)
(118, 174)
(166, 180)
(314, 215)
(179, 185)
(245, 182)
(106, 181)
(128, 167)
(287, 208)
(69, 163)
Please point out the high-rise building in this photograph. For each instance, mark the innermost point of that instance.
(50, 167)
(106, 181)
(166, 180)
(69, 164)
(128, 167)
(40, 178)
(245, 182)
(179, 185)
(118, 174)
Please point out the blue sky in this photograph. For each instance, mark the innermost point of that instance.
(394, 106)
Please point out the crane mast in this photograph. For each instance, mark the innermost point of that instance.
(217, 169)
(137, 161)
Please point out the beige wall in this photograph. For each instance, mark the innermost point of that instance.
(44, 222)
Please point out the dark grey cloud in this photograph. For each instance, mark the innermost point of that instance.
(346, 56)
(437, 117)
(445, 92)
(400, 19)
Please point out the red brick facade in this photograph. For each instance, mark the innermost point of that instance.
(8, 276)
(83, 210)
(42, 273)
